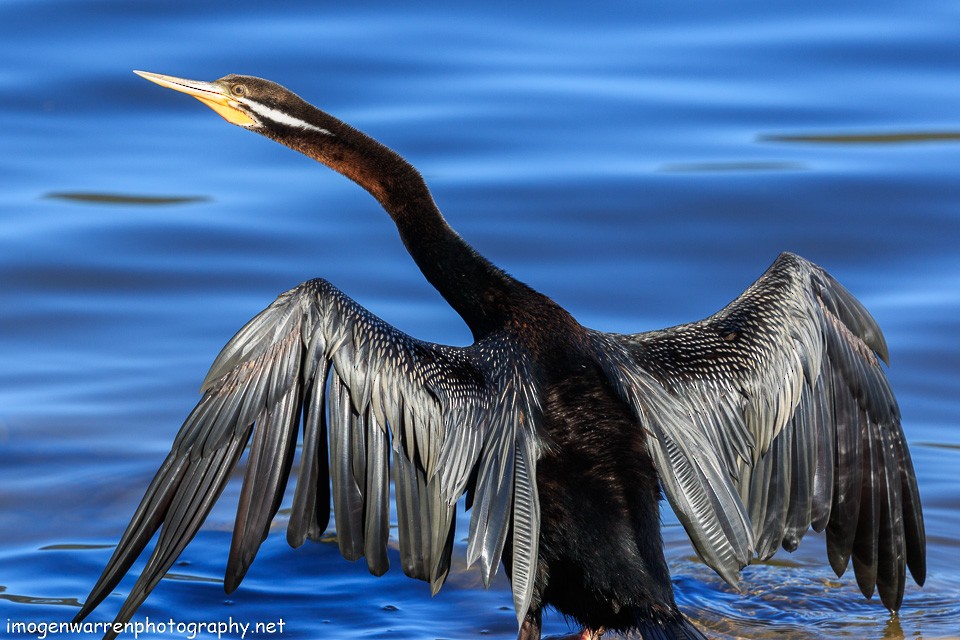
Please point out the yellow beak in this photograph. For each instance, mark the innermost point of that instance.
(212, 94)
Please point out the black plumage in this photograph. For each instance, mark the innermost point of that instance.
(765, 419)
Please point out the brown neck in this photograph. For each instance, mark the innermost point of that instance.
(477, 290)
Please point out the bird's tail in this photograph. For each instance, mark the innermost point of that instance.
(678, 628)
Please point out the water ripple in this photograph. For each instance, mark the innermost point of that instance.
(639, 162)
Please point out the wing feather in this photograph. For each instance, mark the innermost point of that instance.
(526, 526)
(344, 450)
(456, 419)
(780, 397)
(310, 513)
(489, 517)
(414, 545)
(268, 466)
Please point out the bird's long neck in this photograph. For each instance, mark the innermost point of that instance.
(474, 287)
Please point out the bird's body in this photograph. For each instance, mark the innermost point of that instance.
(600, 544)
(757, 423)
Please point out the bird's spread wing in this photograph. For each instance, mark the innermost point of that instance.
(773, 416)
(453, 420)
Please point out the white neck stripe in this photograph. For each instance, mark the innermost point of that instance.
(282, 118)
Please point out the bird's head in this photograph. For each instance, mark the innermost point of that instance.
(246, 101)
(281, 115)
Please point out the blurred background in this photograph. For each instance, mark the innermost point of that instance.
(639, 164)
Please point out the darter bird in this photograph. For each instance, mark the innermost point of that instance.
(768, 418)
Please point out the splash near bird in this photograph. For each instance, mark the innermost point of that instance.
(766, 419)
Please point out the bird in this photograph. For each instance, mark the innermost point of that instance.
(769, 418)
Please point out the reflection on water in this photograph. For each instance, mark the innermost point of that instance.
(21, 599)
(734, 166)
(868, 138)
(78, 547)
(115, 198)
(617, 157)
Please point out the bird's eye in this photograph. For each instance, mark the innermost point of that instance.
(239, 90)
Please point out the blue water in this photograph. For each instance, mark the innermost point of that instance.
(640, 164)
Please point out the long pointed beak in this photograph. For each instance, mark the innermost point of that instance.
(212, 94)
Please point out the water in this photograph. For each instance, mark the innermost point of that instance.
(639, 164)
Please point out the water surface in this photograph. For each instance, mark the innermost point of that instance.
(639, 164)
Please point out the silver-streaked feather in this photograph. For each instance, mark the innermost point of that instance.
(444, 412)
(774, 415)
